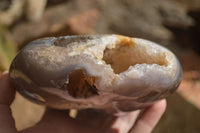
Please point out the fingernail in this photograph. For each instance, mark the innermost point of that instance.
(5, 72)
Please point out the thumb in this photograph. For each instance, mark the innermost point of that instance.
(7, 94)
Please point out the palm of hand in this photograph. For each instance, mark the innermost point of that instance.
(86, 121)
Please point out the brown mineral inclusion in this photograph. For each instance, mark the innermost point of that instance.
(81, 85)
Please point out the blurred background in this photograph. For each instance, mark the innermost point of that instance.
(172, 23)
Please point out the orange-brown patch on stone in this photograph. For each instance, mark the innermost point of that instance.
(81, 85)
(125, 41)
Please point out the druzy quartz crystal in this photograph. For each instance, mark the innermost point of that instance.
(113, 73)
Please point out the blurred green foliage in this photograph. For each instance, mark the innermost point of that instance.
(7, 49)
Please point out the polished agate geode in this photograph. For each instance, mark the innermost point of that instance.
(107, 72)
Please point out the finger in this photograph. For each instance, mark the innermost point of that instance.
(7, 94)
(124, 122)
(58, 121)
(107, 122)
(97, 119)
(149, 118)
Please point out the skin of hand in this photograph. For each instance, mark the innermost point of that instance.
(86, 122)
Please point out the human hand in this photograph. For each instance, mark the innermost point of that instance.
(86, 121)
